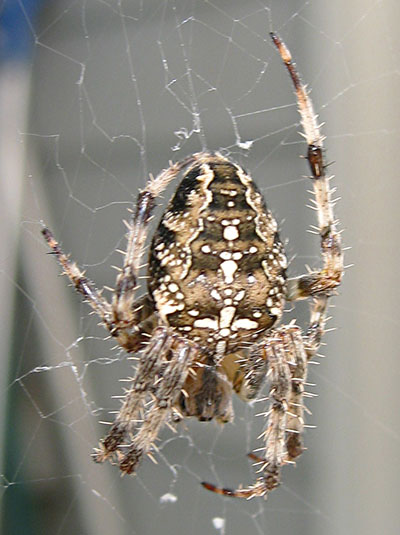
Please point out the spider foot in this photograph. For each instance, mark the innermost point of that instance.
(261, 488)
(109, 445)
(99, 455)
(219, 490)
(128, 461)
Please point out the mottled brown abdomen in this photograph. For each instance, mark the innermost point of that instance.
(217, 264)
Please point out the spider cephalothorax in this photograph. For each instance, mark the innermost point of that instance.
(216, 292)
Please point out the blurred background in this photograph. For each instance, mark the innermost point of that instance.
(94, 96)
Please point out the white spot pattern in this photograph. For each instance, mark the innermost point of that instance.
(231, 233)
(229, 268)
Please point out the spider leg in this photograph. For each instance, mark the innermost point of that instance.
(280, 353)
(326, 280)
(127, 279)
(316, 326)
(168, 388)
(141, 310)
(319, 285)
(82, 284)
(149, 365)
(295, 415)
(253, 369)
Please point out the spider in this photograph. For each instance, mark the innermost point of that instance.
(209, 323)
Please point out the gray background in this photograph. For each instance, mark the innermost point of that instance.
(112, 83)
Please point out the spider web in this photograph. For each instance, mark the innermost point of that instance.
(119, 89)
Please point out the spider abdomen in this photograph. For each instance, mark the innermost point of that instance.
(217, 265)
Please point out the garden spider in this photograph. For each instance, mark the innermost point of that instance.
(216, 292)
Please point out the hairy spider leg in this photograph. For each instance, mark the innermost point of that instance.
(81, 283)
(286, 359)
(295, 416)
(297, 360)
(141, 312)
(127, 279)
(318, 285)
(326, 280)
(181, 355)
(149, 366)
